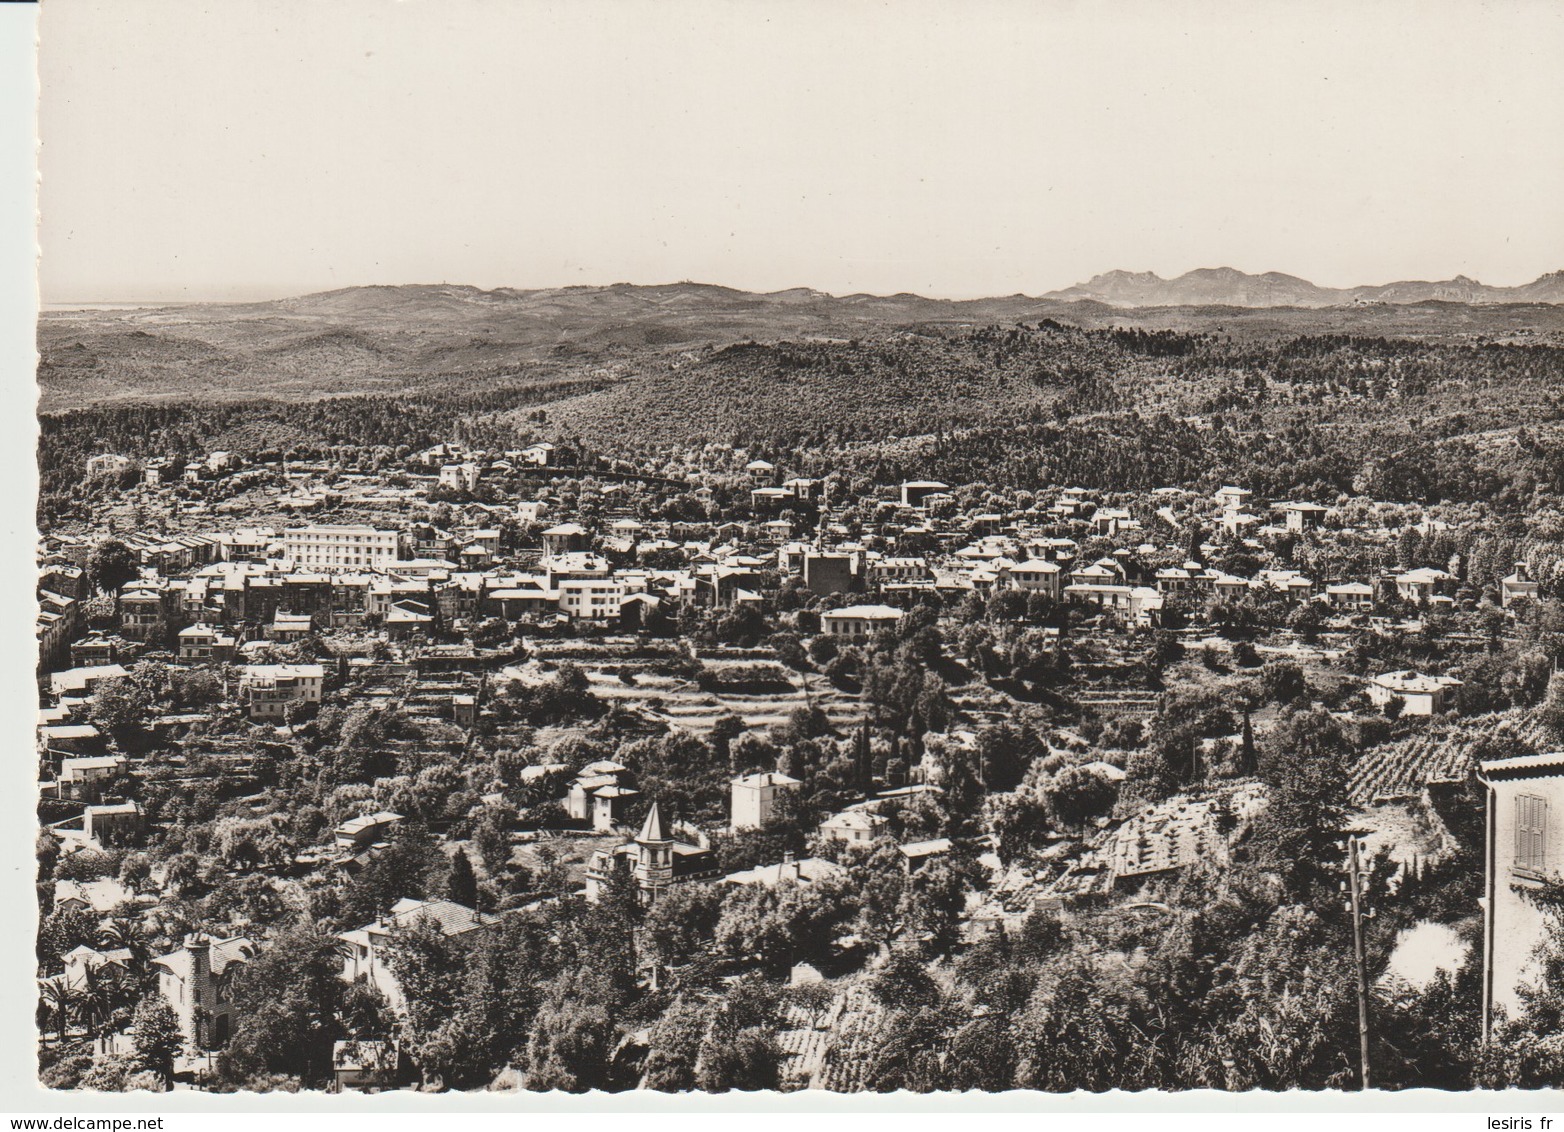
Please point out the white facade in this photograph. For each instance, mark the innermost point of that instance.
(1424, 582)
(1036, 576)
(590, 599)
(859, 621)
(268, 689)
(853, 827)
(1525, 836)
(1233, 498)
(1519, 586)
(755, 798)
(340, 547)
(460, 477)
(107, 464)
(1419, 694)
(365, 954)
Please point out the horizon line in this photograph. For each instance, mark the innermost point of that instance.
(276, 295)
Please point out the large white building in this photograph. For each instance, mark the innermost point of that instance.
(340, 547)
(268, 689)
(1036, 576)
(590, 599)
(460, 477)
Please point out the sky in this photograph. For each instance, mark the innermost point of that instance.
(260, 148)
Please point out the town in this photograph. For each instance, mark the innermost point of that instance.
(542, 766)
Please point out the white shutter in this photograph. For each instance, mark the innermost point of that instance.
(1539, 828)
(1531, 822)
(1522, 830)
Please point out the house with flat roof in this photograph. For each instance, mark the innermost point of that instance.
(916, 493)
(365, 830)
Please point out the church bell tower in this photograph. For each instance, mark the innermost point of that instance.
(653, 857)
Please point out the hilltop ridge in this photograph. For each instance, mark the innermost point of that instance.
(393, 338)
(1227, 286)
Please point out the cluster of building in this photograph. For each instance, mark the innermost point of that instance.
(231, 596)
(281, 584)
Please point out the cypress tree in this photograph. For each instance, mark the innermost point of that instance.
(462, 885)
(1247, 761)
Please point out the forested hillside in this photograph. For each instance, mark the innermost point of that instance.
(1290, 415)
(1306, 416)
(393, 339)
(824, 394)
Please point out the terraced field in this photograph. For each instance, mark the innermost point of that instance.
(684, 704)
(619, 676)
(804, 1037)
(855, 1025)
(1442, 751)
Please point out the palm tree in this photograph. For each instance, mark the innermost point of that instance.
(125, 934)
(108, 994)
(62, 1002)
(96, 1001)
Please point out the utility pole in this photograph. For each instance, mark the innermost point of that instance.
(1355, 882)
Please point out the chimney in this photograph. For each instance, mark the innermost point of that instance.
(1520, 572)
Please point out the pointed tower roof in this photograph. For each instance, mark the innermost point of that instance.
(652, 830)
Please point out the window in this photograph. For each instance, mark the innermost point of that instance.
(1531, 828)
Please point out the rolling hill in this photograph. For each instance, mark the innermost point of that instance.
(396, 339)
(1226, 286)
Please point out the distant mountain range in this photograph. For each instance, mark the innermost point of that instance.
(1228, 287)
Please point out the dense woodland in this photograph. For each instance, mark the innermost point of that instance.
(1311, 417)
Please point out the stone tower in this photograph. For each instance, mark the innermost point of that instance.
(202, 988)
